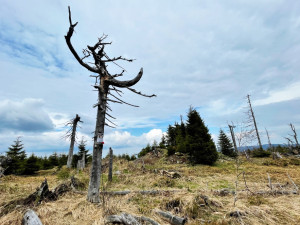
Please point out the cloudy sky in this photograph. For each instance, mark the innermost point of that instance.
(205, 53)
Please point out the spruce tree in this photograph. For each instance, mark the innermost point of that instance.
(199, 143)
(53, 159)
(16, 156)
(181, 137)
(162, 143)
(31, 165)
(82, 150)
(225, 145)
(171, 136)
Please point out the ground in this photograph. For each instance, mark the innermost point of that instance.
(182, 196)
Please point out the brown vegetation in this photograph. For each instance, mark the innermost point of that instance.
(194, 195)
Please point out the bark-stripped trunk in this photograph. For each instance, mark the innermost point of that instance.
(73, 136)
(270, 145)
(81, 162)
(295, 135)
(254, 122)
(233, 138)
(106, 80)
(95, 177)
(110, 168)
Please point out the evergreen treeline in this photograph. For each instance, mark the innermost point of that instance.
(192, 138)
(150, 148)
(126, 156)
(16, 161)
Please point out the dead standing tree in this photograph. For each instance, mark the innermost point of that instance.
(107, 84)
(294, 135)
(71, 133)
(252, 118)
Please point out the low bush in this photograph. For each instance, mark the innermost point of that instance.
(64, 173)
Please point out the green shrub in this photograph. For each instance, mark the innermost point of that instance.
(260, 153)
(144, 151)
(171, 150)
(64, 173)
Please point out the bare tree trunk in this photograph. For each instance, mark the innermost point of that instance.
(95, 177)
(73, 136)
(110, 168)
(83, 160)
(295, 134)
(236, 162)
(106, 80)
(270, 145)
(254, 122)
(233, 137)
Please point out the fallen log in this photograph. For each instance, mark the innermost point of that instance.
(173, 175)
(128, 219)
(123, 218)
(224, 192)
(276, 192)
(31, 218)
(144, 192)
(146, 219)
(174, 220)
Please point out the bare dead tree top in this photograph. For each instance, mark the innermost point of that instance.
(99, 67)
(70, 125)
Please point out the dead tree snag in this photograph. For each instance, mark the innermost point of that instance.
(294, 135)
(252, 117)
(72, 135)
(106, 85)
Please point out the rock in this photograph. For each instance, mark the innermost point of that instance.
(237, 214)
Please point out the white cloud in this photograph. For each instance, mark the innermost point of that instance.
(287, 93)
(25, 115)
(125, 142)
(208, 54)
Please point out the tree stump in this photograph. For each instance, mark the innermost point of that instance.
(31, 218)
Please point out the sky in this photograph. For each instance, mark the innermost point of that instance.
(207, 54)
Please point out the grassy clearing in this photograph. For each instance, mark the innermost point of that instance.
(72, 208)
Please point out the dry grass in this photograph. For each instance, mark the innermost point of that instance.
(72, 208)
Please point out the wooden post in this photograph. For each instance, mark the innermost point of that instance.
(110, 168)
